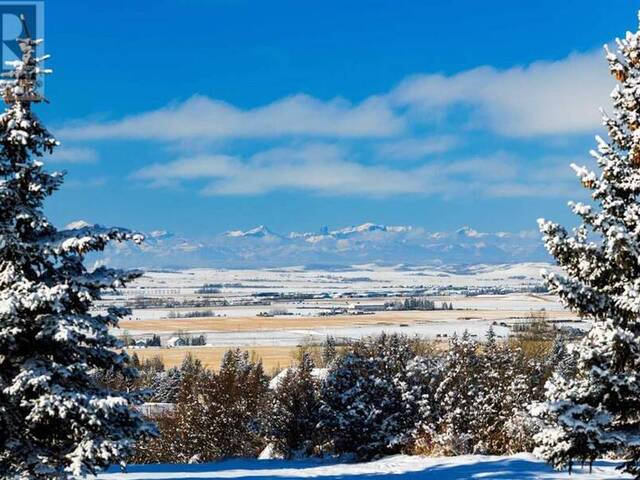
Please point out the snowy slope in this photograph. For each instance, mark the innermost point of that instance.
(400, 467)
(367, 243)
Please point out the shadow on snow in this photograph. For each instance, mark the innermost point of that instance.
(484, 467)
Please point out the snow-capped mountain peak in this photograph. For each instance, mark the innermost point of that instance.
(366, 243)
(160, 234)
(367, 228)
(347, 232)
(257, 232)
(469, 232)
(77, 225)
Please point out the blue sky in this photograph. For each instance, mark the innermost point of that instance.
(200, 116)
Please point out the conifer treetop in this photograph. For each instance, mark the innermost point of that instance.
(24, 83)
(603, 276)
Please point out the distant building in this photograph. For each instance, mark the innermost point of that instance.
(177, 342)
(367, 307)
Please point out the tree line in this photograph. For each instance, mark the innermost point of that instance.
(375, 396)
(414, 303)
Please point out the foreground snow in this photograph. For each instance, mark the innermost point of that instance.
(399, 467)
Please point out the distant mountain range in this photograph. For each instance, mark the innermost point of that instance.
(367, 243)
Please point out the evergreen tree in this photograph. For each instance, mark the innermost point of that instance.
(495, 370)
(238, 405)
(55, 419)
(457, 394)
(507, 383)
(167, 386)
(362, 411)
(329, 350)
(183, 433)
(149, 372)
(520, 427)
(561, 359)
(215, 416)
(596, 411)
(418, 384)
(295, 411)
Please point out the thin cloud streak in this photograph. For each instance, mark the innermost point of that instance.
(75, 155)
(331, 170)
(204, 118)
(416, 148)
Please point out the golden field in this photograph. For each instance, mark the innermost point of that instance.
(249, 324)
(273, 357)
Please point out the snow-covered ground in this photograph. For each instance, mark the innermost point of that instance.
(356, 278)
(399, 467)
(311, 308)
(475, 314)
(334, 290)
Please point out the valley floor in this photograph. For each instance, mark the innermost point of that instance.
(399, 467)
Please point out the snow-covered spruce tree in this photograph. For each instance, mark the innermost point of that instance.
(167, 386)
(508, 382)
(560, 359)
(241, 400)
(362, 410)
(417, 384)
(598, 410)
(496, 367)
(295, 411)
(329, 351)
(457, 397)
(183, 431)
(55, 419)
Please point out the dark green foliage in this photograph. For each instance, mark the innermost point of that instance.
(295, 412)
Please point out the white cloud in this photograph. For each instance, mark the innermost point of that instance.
(317, 168)
(91, 182)
(204, 166)
(416, 148)
(331, 170)
(203, 118)
(73, 155)
(542, 98)
(546, 97)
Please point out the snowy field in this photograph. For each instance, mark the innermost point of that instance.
(237, 323)
(399, 467)
(312, 308)
(290, 337)
(355, 278)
